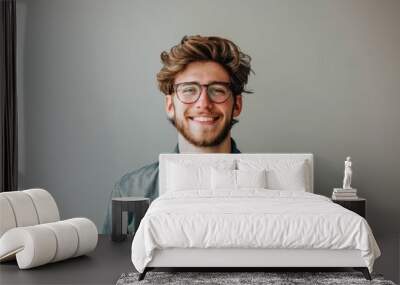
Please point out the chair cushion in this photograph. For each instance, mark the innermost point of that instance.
(40, 244)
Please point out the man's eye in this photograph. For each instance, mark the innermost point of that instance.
(189, 90)
(219, 91)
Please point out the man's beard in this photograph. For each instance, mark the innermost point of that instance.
(204, 142)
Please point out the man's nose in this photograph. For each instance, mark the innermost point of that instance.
(204, 101)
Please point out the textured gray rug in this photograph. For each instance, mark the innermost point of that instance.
(230, 278)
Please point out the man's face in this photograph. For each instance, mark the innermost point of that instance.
(203, 123)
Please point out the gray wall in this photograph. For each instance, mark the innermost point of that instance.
(327, 81)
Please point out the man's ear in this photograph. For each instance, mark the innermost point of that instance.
(237, 107)
(169, 106)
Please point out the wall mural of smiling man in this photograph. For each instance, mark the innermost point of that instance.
(203, 79)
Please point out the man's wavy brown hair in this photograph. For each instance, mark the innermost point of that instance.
(200, 48)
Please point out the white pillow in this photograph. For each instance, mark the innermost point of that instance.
(237, 179)
(223, 179)
(251, 178)
(186, 175)
(282, 174)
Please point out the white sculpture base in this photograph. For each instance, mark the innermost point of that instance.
(344, 194)
(343, 189)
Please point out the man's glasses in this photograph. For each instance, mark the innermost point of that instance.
(189, 92)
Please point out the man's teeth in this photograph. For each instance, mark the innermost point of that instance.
(204, 119)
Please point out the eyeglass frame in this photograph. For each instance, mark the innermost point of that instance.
(227, 84)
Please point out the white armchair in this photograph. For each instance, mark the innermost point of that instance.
(32, 233)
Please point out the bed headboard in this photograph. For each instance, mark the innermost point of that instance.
(208, 158)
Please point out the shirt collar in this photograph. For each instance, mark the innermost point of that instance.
(234, 148)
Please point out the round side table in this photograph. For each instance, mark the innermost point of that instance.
(121, 207)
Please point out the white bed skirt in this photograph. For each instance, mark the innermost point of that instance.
(193, 257)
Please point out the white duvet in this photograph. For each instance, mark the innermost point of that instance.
(251, 218)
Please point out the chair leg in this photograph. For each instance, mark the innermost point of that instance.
(143, 274)
(364, 271)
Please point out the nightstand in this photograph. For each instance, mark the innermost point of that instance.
(357, 205)
(121, 207)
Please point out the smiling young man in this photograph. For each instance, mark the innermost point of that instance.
(203, 79)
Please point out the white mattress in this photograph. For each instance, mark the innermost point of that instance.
(256, 257)
(251, 218)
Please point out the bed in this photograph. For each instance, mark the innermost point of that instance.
(245, 211)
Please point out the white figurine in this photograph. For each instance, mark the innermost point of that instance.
(347, 173)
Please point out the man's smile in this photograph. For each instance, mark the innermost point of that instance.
(204, 120)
